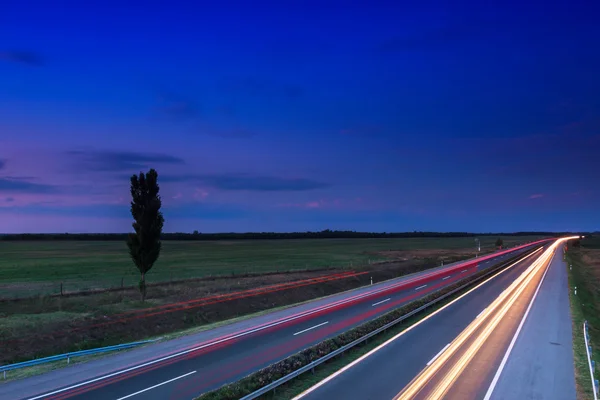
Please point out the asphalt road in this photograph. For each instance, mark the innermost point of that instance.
(186, 367)
(403, 361)
(541, 364)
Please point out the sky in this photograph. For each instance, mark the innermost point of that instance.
(301, 115)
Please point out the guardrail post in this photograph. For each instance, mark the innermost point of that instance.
(68, 359)
(590, 349)
(597, 386)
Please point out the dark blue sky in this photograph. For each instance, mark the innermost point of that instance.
(295, 115)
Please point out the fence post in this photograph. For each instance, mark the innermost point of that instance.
(61, 289)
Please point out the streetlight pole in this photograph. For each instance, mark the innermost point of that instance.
(478, 247)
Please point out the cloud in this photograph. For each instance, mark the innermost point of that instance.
(234, 133)
(245, 182)
(108, 160)
(536, 196)
(2, 163)
(108, 210)
(176, 106)
(17, 185)
(22, 57)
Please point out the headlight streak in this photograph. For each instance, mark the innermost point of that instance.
(491, 316)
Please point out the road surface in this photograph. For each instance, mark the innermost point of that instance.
(457, 352)
(186, 367)
(540, 365)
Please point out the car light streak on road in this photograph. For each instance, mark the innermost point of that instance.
(389, 341)
(492, 316)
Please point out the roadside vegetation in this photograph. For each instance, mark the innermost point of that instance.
(583, 258)
(31, 268)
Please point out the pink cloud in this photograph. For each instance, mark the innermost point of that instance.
(177, 196)
(200, 194)
(335, 203)
(536, 196)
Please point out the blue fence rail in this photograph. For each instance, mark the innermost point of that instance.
(68, 356)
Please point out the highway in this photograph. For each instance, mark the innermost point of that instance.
(186, 367)
(478, 347)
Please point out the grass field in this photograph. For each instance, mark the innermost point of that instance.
(585, 275)
(30, 268)
(37, 326)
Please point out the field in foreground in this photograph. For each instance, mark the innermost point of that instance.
(39, 267)
(585, 275)
(40, 326)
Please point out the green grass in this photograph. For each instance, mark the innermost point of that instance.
(38, 267)
(584, 306)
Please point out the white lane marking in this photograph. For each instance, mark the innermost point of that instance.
(311, 328)
(446, 278)
(437, 355)
(244, 333)
(487, 262)
(391, 340)
(155, 386)
(380, 302)
(479, 315)
(490, 390)
(420, 287)
(464, 270)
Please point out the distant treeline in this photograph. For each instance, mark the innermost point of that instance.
(326, 234)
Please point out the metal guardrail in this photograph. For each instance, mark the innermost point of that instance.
(591, 363)
(310, 366)
(68, 356)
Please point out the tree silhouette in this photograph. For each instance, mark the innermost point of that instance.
(144, 245)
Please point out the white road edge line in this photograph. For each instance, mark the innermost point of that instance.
(437, 355)
(155, 386)
(490, 390)
(311, 328)
(420, 287)
(464, 270)
(446, 277)
(380, 302)
(391, 340)
(479, 315)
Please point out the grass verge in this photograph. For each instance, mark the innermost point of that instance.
(584, 306)
(274, 372)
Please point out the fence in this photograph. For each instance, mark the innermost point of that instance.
(68, 356)
(591, 363)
